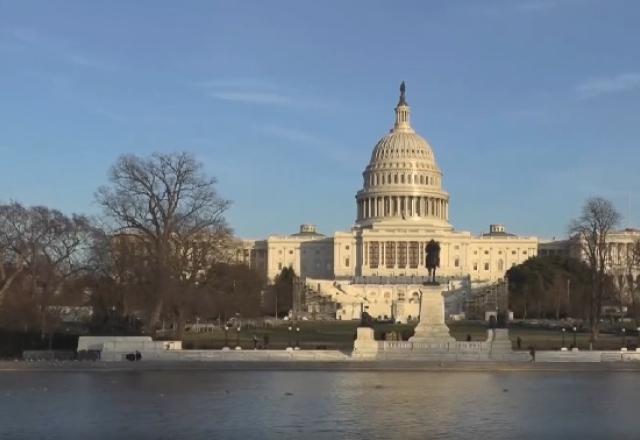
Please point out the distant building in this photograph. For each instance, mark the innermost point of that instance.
(379, 264)
(621, 261)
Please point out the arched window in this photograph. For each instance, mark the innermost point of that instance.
(402, 178)
(395, 178)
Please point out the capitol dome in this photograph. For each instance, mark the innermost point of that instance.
(403, 183)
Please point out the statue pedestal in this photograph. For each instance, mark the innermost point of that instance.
(432, 327)
(365, 345)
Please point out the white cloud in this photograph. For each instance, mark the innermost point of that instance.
(599, 86)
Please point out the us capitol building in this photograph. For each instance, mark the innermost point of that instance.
(379, 264)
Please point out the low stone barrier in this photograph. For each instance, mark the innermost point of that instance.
(48, 355)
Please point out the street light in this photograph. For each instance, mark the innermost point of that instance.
(564, 330)
(238, 337)
(289, 345)
(575, 345)
(297, 338)
(226, 335)
(624, 337)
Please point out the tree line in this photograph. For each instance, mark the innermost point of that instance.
(160, 253)
(579, 286)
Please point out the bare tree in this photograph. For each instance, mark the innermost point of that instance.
(592, 229)
(45, 248)
(170, 209)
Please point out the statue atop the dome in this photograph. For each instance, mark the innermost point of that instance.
(402, 97)
(432, 259)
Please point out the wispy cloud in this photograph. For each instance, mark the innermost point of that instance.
(594, 87)
(18, 38)
(303, 139)
(258, 91)
(251, 97)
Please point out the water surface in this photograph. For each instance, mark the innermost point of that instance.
(324, 405)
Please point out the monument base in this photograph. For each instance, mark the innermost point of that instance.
(365, 344)
(432, 327)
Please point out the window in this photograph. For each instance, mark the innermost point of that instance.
(279, 266)
(402, 255)
(456, 247)
(500, 265)
(347, 247)
(291, 252)
(513, 252)
(475, 252)
(475, 266)
(456, 262)
(390, 254)
(346, 262)
(414, 254)
(374, 255)
(524, 252)
(486, 266)
(402, 178)
(499, 252)
(486, 252)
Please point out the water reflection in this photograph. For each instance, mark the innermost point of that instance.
(277, 405)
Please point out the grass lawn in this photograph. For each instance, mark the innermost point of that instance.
(340, 334)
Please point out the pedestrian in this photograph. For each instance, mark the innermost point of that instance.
(265, 339)
(255, 342)
(532, 352)
(519, 342)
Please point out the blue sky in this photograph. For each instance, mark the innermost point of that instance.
(530, 105)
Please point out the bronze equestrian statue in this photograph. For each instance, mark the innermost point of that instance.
(432, 260)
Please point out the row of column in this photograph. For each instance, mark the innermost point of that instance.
(402, 206)
(394, 254)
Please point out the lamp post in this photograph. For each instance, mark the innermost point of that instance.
(289, 345)
(564, 330)
(575, 345)
(297, 338)
(226, 335)
(238, 338)
(624, 337)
